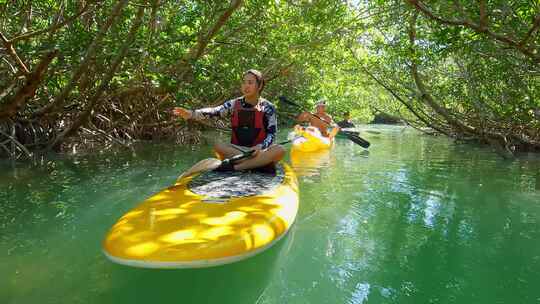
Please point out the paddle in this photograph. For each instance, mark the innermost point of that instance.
(212, 163)
(355, 139)
(349, 135)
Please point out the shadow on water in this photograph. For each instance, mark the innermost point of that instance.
(241, 282)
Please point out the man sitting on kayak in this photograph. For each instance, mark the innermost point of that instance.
(320, 119)
(346, 122)
(253, 122)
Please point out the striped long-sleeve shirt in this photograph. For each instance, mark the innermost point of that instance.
(226, 109)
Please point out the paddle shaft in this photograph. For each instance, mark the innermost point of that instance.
(249, 153)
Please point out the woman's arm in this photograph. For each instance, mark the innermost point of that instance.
(221, 111)
(270, 124)
(204, 113)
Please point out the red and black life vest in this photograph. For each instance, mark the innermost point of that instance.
(247, 125)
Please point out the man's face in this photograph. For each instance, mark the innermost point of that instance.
(320, 108)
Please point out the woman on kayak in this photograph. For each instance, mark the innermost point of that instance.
(253, 122)
(320, 119)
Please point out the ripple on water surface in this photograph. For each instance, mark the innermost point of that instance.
(416, 219)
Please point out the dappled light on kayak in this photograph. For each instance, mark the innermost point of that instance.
(142, 249)
(228, 219)
(179, 227)
(179, 236)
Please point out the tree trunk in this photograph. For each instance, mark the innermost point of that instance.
(184, 66)
(96, 98)
(424, 94)
(396, 96)
(83, 66)
(482, 29)
(33, 80)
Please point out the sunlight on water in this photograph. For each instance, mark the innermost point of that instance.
(416, 219)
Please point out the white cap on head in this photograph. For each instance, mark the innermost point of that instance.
(321, 102)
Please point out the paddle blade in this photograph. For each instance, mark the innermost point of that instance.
(373, 132)
(202, 166)
(354, 133)
(358, 140)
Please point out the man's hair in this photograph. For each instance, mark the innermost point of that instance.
(347, 113)
(258, 76)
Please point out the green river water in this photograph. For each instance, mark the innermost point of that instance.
(417, 219)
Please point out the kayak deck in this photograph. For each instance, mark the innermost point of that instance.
(211, 219)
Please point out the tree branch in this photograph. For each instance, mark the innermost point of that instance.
(477, 28)
(483, 16)
(83, 66)
(82, 118)
(395, 95)
(33, 80)
(531, 31)
(52, 28)
(184, 66)
(425, 96)
(11, 51)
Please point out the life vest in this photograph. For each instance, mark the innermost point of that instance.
(247, 125)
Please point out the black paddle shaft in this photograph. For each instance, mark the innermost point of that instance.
(249, 153)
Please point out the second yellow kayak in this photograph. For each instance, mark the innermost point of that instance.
(311, 140)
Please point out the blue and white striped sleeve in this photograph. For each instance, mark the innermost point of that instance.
(270, 123)
(221, 111)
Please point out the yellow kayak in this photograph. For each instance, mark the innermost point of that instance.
(311, 140)
(210, 219)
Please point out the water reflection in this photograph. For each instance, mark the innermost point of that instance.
(418, 220)
(242, 282)
(309, 164)
(441, 223)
